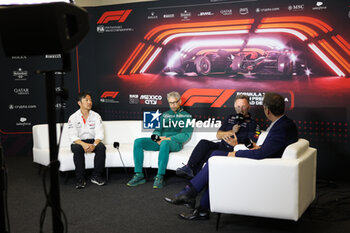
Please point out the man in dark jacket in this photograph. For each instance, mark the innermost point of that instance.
(281, 132)
(240, 125)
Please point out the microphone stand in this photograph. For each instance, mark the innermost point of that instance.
(54, 192)
(54, 162)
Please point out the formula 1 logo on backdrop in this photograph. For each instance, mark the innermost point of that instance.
(109, 97)
(216, 97)
(119, 16)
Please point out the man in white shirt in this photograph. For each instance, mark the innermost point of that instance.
(86, 133)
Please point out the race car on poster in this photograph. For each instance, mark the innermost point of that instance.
(203, 64)
(273, 62)
(247, 63)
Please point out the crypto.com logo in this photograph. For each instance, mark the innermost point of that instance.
(119, 16)
(216, 97)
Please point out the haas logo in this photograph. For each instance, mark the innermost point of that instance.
(119, 16)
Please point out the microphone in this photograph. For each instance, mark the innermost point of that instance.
(239, 118)
(116, 144)
(248, 143)
(155, 137)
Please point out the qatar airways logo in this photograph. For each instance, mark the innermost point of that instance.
(21, 91)
(226, 12)
(120, 16)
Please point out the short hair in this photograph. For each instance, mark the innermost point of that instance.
(174, 94)
(82, 95)
(245, 97)
(275, 103)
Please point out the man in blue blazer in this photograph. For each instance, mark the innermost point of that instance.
(281, 132)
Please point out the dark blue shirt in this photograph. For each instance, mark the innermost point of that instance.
(249, 129)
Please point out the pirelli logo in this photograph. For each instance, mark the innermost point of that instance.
(216, 97)
(119, 16)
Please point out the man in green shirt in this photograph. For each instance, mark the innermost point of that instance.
(173, 132)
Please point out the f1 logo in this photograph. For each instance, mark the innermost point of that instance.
(216, 97)
(119, 16)
(111, 94)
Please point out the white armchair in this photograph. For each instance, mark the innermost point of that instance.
(277, 188)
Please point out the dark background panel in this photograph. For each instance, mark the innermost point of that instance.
(318, 103)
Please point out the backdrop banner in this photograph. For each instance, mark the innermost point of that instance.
(209, 51)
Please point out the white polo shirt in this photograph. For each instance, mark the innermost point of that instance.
(91, 128)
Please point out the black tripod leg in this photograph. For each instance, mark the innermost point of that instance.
(218, 221)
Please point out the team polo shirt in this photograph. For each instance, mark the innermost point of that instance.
(81, 129)
(249, 129)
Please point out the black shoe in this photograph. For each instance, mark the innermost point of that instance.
(98, 180)
(185, 172)
(186, 197)
(196, 214)
(80, 184)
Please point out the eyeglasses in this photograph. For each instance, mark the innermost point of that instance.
(173, 103)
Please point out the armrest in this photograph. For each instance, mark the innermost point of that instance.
(251, 186)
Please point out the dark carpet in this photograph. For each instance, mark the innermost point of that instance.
(118, 208)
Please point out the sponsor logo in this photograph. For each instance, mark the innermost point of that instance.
(151, 120)
(151, 99)
(185, 15)
(168, 16)
(152, 16)
(112, 94)
(18, 57)
(52, 56)
(21, 91)
(216, 97)
(258, 10)
(120, 16)
(319, 6)
(23, 122)
(299, 7)
(100, 29)
(20, 75)
(243, 11)
(206, 13)
(226, 12)
(22, 106)
(133, 99)
(109, 97)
